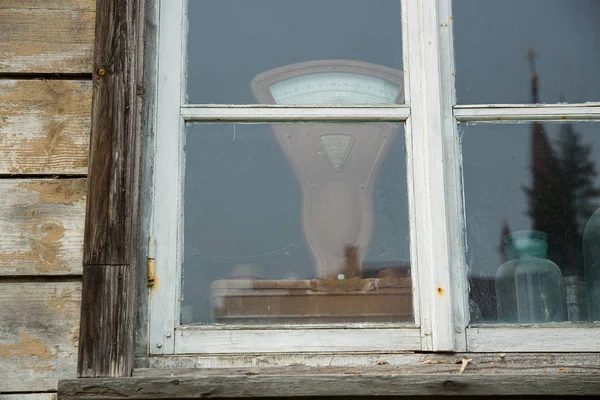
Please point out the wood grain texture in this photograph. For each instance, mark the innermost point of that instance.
(108, 311)
(544, 338)
(348, 383)
(201, 340)
(42, 226)
(44, 126)
(38, 334)
(34, 396)
(117, 108)
(111, 231)
(479, 361)
(52, 36)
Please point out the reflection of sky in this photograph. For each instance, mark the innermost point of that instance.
(231, 41)
(243, 206)
(491, 39)
(497, 168)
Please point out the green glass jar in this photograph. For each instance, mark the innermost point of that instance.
(529, 287)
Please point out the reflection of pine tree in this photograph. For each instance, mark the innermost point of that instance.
(561, 199)
(577, 173)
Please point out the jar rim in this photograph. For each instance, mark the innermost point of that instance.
(525, 234)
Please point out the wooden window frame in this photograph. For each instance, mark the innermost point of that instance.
(112, 262)
(438, 319)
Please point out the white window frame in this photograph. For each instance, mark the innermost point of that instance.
(436, 209)
(548, 337)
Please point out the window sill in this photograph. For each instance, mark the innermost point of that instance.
(424, 379)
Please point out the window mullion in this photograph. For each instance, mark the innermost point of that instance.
(436, 179)
(452, 163)
(527, 112)
(167, 180)
(253, 113)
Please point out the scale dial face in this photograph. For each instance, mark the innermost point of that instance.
(326, 88)
(329, 82)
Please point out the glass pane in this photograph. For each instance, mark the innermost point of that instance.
(297, 52)
(293, 223)
(501, 45)
(533, 232)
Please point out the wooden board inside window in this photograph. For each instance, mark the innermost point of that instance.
(312, 301)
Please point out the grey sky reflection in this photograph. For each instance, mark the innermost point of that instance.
(232, 41)
(491, 39)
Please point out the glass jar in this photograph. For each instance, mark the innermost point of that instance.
(529, 287)
(591, 260)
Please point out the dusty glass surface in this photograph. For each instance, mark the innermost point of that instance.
(232, 41)
(531, 191)
(500, 44)
(294, 223)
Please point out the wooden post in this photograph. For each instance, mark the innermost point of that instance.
(110, 261)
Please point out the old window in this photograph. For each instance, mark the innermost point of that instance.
(317, 186)
(310, 188)
(283, 207)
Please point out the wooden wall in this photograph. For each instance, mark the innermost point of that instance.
(46, 49)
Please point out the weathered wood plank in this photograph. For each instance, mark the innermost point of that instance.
(42, 226)
(449, 365)
(349, 383)
(44, 126)
(22, 396)
(38, 334)
(111, 240)
(347, 359)
(52, 36)
(197, 339)
(568, 338)
(108, 312)
(117, 108)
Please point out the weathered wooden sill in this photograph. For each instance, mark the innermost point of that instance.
(366, 381)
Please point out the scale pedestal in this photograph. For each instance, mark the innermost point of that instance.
(336, 166)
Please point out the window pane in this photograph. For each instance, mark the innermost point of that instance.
(293, 223)
(531, 191)
(492, 40)
(230, 42)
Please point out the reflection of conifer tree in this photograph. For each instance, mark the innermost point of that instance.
(561, 198)
(577, 174)
(546, 203)
(562, 191)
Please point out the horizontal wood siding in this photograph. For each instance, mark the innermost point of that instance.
(38, 334)
(44, 126)
(50, 36)
(46, 51)
(35, 396)
(41, 226)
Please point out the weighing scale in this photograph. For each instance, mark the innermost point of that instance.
(336, 166)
